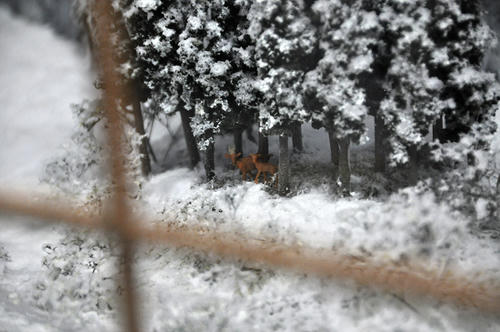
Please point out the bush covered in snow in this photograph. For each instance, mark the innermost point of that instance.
(82, 168)
(81, 271)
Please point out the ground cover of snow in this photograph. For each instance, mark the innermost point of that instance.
(182, 290)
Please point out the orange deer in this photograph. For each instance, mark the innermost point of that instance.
(245, 164)
(263, 167)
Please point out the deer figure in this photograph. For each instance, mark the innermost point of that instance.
(263, 167)
(245, 164)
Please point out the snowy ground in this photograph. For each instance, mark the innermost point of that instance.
(41, 75)
(185, 291)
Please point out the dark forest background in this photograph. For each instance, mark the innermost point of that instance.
(60, 15)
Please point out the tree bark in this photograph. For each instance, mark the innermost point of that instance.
(334, 152)
(238, 140)
(192, 148)
(380, 153)
(297, 138)
(284, 166)
(143, 147)
(437, 129)
(345, 166)
(210, 161)
(263, 144)
(413, 171)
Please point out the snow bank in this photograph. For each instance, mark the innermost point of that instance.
(42, 75)
(410, 225)
(196, 292)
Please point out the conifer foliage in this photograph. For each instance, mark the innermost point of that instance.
(286, 49)
(335, 99)
(227, 65)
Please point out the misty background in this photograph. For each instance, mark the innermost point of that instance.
(59, 14)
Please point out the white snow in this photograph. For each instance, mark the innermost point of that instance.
(41, 75)
(361, 63)
(147, 5)
(408, 227)
(219, 68)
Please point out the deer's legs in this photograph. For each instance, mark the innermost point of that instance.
(257, 177)
(244, 176)
(265, 177)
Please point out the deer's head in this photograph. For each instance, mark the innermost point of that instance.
(232, 155)
(255, 157)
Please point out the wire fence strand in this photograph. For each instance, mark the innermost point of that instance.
(121, 214)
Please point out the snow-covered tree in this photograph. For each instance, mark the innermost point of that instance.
(286, 48)
(334, 97)
(198, 59)
(244, 98)
(154, 29)
(412, 102)
(434, 49)
(462, 41)
(123, 52)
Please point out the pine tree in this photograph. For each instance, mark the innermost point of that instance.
(462, 40)
(155, 29)
(124, 53)
(334, 97)
(286, 48)
(412, 101)
(199, 58)
(434, 76)
(244, 98)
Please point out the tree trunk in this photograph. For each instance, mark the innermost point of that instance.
(344, 166)
(380, 153)
(132, 100)
(210, 161)
(238, 141)
(413, 156)
(297, 138)
(143, 147)
(263, 144)
(437, 129)
(334, 151)
(192, 148)
(284, 166)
